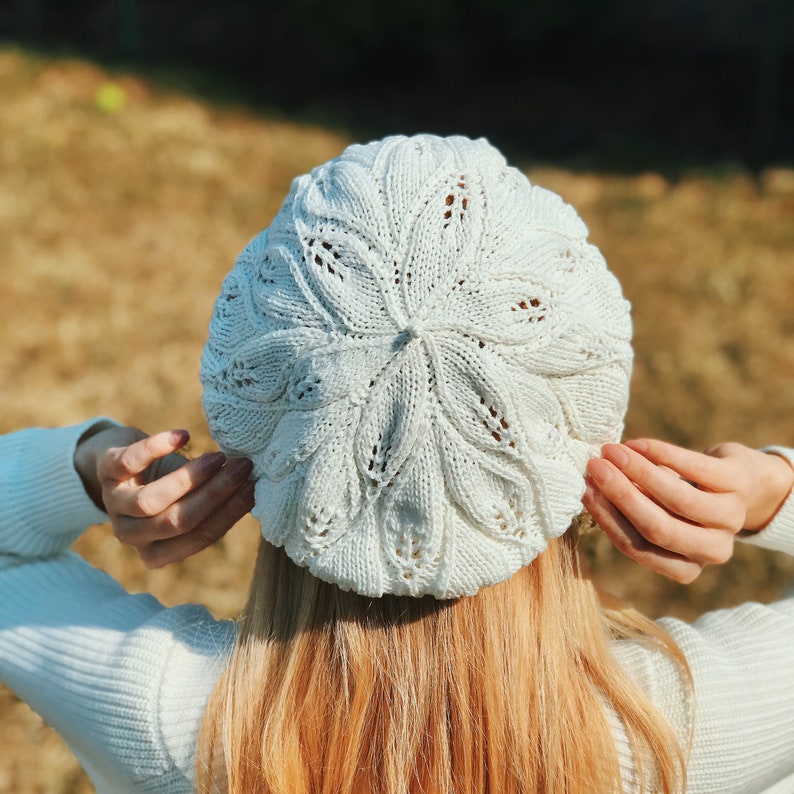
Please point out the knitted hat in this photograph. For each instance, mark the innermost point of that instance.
(419, 356)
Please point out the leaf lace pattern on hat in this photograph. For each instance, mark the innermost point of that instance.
(419, 355)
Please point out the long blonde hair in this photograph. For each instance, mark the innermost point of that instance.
(331, 692)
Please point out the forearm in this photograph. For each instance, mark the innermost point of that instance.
(44, 506)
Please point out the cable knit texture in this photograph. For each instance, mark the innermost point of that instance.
(419, 355)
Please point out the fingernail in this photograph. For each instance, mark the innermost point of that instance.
(210, 461)
(239, 468)
(180, 437)
(616, 454)
(640, 445)
(599, 471)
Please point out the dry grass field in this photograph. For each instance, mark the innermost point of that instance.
(120, 212)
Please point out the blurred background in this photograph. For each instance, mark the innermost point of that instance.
(142, 144)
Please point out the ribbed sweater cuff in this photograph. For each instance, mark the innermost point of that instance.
(45, 504)
(779, 534)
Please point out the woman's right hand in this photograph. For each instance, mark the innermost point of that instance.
(166, 506)
(676, 511)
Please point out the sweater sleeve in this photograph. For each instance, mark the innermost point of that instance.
(123, 679)
(43, 505)
(742, 666)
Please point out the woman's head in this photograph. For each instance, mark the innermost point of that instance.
(419, 355)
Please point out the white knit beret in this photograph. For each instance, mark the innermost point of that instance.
(419, 355)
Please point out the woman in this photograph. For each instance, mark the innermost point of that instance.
(418, 358)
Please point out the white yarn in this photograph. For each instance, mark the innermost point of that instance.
(419, 355)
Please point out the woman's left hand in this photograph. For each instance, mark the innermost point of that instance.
(164, 505)
(675, 511)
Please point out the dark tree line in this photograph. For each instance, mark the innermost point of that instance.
(618, 79)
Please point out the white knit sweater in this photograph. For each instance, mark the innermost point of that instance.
(125, 680)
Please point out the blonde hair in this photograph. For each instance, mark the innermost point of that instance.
(329, 692)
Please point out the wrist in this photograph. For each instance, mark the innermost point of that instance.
(775, 484)
(86, 454)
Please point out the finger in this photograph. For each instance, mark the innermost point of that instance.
(708, 472)
(183, 516)
(151, 499)
(212, 529)
(703, 545)
(709, 509)
(124, 463)
(163, 466)
(625, 538)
